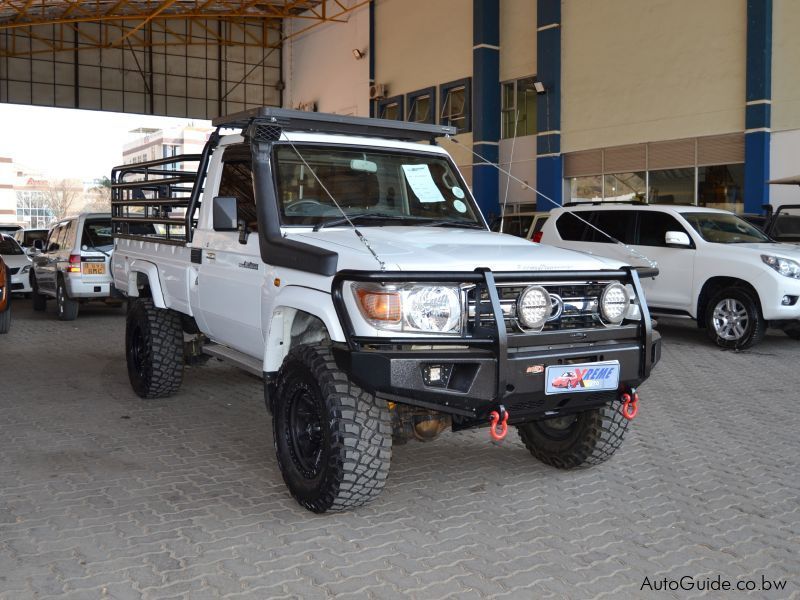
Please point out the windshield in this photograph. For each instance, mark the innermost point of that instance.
(97, 233)
(404, 187)
(724, 228)
(9, 246)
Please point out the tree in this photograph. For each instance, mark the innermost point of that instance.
(99, 196)
(63, 197)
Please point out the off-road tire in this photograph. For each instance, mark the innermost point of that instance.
(66, 308)
(756, 327)
(154, 349)
(39, 300)
(354, 442)
(591, 439)
(793, 331)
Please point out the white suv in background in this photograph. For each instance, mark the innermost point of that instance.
(714, 267)
(73, 264)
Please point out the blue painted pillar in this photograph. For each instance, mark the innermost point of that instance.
(549, 162)
(486, 103)
(758, 117)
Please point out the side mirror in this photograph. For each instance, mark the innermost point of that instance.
(38, 245)
(677, 239)
(224, 213)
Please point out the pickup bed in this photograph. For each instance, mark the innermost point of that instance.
(345, 261)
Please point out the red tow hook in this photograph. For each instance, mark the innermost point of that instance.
(498, 434)
(630, 405)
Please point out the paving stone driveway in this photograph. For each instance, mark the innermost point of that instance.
(103, 495)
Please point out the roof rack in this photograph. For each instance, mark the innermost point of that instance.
(298, 120)
(604, 202)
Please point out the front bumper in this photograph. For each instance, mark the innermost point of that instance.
(468, 387)
(20, 283)
(477, 375)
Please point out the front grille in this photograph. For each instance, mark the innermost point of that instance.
(574, 305)
(14, 270)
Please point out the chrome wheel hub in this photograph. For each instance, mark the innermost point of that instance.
(730, 319)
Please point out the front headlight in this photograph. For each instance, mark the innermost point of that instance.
(614, 302)
(25, 269)
(784, 266)
(411, 307)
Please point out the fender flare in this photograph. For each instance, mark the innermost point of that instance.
(314, 302)
(149, 270)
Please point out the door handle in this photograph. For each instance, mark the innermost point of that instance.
(211, 255)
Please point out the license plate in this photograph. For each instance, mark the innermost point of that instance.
(94, 268)
(586, 377)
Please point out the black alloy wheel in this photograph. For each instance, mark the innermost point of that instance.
(138, 349)
(306, 437)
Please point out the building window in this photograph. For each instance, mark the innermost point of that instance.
(456, 104)
(168, 151)
(671, 186)
(33, 208)
(586, 189)
(622, 187)
(518, 101)
(720, 186)
(703, 171)
(391, 108)
(421, 106)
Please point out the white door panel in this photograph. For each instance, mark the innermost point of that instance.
(673, 286)
(231, 281)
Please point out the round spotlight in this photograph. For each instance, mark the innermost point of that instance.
(533, 307)
(614, 303)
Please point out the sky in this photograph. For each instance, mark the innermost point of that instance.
(70, 144)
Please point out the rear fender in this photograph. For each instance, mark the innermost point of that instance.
(140, 269)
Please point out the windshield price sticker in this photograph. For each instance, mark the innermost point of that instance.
(586, 377)
(421, 181)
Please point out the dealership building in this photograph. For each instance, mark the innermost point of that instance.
(672, 101)
(669, 101)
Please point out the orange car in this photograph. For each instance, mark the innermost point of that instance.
(5, 297)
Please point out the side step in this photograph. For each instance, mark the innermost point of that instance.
(241, 360)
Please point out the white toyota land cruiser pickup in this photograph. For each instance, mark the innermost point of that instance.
(349, 264)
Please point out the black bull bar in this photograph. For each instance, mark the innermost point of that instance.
(492, 338)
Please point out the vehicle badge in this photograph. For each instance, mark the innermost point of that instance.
(556, 307)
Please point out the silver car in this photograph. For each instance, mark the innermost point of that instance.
(73, 264)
